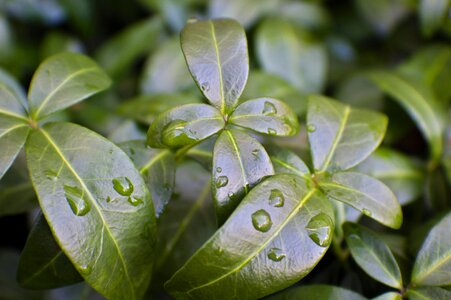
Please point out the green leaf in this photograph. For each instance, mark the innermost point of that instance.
(419, 102)
(290, 53)
(43, 264)
(216, 54)
(239, 163)
(126, 131)
(432, 15)
(260, 240)
(157, 167)
(165, 70)
(267, 116)
(286, 161)
(340, 137)
(63, 80)
(203, 152)
(317, 291)
(17, 198)
(388, 296)
(92, 206)
(428, 293)
(367, 194)
(433, 263)
(372, 255)
(184, 125)
(397, 171)
(14, 101)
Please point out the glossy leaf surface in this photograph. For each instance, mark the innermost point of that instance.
(373, 255)
(14, 101)
(367, 194)
(43, 265)
(184, 125)
(267, 116)
(286, 161)
(428, 293)
(340, 136)
(433, 262)
(63, 80)
(92, 207)
(260, 240)
(216, 54)
(239, 162)
(317, 291)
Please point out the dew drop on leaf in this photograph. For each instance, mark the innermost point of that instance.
(366, 212)
(134, 201)
(261, 220)
(76, 199)
(319, 229)
(123, 186)
(176, 132)
(311, 128)
(52, 175)
(221, 181)
(269, 109)
(255, 153)
(205, 86)
(276, 254)
(219, 169)
(272, 131)
(85, 269)
(276, 198)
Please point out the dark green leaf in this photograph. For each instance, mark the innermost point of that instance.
(316, 292)
(203, 152)
(260, 240)
(397, 171)
(43, 264)
(372, 255)
(16, 199)
(367, 194)
(267, 116)
(286, 161)
(157, 168)
(340, 136)
(184, 125)
(216, 54)
(419, 102)
(239, 162)
(63, 80)
(92, 206)
(433, 262)
(428, 293)
(432, 15)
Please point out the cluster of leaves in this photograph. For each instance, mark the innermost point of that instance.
(233, 198)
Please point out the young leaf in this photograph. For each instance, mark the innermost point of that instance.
(419, 102)
(267, 116)
(92, 207)
(372, 255)
(239, 162)
(432, 15)
(397, 171)
(286, 161)
(367, 194)
(216, 54)
(43, 264)
(433, 263)
(317, 291)
(428, 293)
(184, 125)
(63, 80)
(264, 238)
(340, 136)
(157, 167)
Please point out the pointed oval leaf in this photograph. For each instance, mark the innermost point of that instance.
(367, 194)
(93, 198)
(13, 100)
(216, 54)
(286, 161)
(433, 263)
(157, 167)
(43, 265)
(13, 134)
(260, 240)
(428, 293)
(340, 136)
(63, 80)
(184, 125)
(267, 116)
(317, 291)
(372, 255)
(419, 101)
(239, 162)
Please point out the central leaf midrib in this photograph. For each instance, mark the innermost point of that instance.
(218, 62)
(238, 155)
(94, 203)
(42, 269)
(435, 265)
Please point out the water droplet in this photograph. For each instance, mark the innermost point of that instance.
(52, 175)
(272, 131)
(77, 202)
(261, 220)
(276, 254)
(205, 86)
(255, 153)
(135, 201)
(269, 109)
(311, 128)
(319, 229)
(176, 133)
(366, 212)
(219, 169)
(276, 198)
(108, 199)
(123, 186)
(85, 269)
(222, 181)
